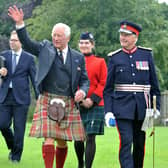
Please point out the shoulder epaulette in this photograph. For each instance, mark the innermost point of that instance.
(144, 48)
(114, 52)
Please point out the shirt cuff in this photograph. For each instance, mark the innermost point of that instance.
(20, 26)
(95, 98)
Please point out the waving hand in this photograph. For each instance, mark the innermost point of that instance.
(16, 14)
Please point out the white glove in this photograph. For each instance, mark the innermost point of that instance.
(110, 119)
(149, 119)
(151, 113)
(156, 114)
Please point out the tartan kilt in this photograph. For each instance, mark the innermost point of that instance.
(70, 128)
(93, 120)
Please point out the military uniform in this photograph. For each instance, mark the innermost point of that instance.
(133, 71)
(130, 85)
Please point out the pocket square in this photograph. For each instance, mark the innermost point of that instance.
(78, 68)
(76, 60)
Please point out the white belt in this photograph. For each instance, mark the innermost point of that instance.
(136, 88)
(132, 88)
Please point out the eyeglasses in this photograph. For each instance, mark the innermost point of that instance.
(13, 40)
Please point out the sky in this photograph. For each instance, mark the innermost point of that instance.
(163, 1)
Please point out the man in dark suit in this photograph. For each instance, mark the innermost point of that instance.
(130, 86)
(15, 95)
(62, 80)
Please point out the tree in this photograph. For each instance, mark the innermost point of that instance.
(102, 18)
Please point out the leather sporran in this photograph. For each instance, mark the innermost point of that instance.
(56, 110)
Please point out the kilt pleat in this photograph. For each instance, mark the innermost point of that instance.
(93, 120)
(70, 128)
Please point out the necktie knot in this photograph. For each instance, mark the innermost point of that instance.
(60, 54)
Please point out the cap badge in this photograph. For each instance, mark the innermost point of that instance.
(125, 26)
(91, 36)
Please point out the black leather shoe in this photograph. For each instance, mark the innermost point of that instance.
(14, 161)
(81, 166)
(10, 156)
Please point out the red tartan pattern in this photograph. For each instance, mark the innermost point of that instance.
(70, 128)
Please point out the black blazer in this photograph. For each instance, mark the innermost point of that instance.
(25, 69)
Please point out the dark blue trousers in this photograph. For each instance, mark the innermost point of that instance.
(11, 111)
(8, 136)
(132, 143)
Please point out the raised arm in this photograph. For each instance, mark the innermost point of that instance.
(17, 16)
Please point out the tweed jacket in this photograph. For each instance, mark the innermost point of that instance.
(46, 52)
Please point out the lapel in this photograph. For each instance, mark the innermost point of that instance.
(46, 59)
(52, 53)
(74, 63)
(20, 60)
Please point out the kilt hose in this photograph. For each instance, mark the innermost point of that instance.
(70, 128)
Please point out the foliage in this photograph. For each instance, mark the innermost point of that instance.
(102, 19)
(5, 22)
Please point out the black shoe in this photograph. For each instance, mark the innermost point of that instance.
(81, 166)
(14, 161)
(10, 156)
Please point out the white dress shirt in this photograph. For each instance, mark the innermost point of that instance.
(64, 53)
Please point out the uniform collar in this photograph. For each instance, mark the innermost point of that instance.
(130, 51)
(88, 54)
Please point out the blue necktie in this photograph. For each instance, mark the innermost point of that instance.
(14, 62)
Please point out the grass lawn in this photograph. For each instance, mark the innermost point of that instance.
(106, 152)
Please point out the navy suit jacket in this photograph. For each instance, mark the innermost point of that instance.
(47, 52)
(25, 69)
